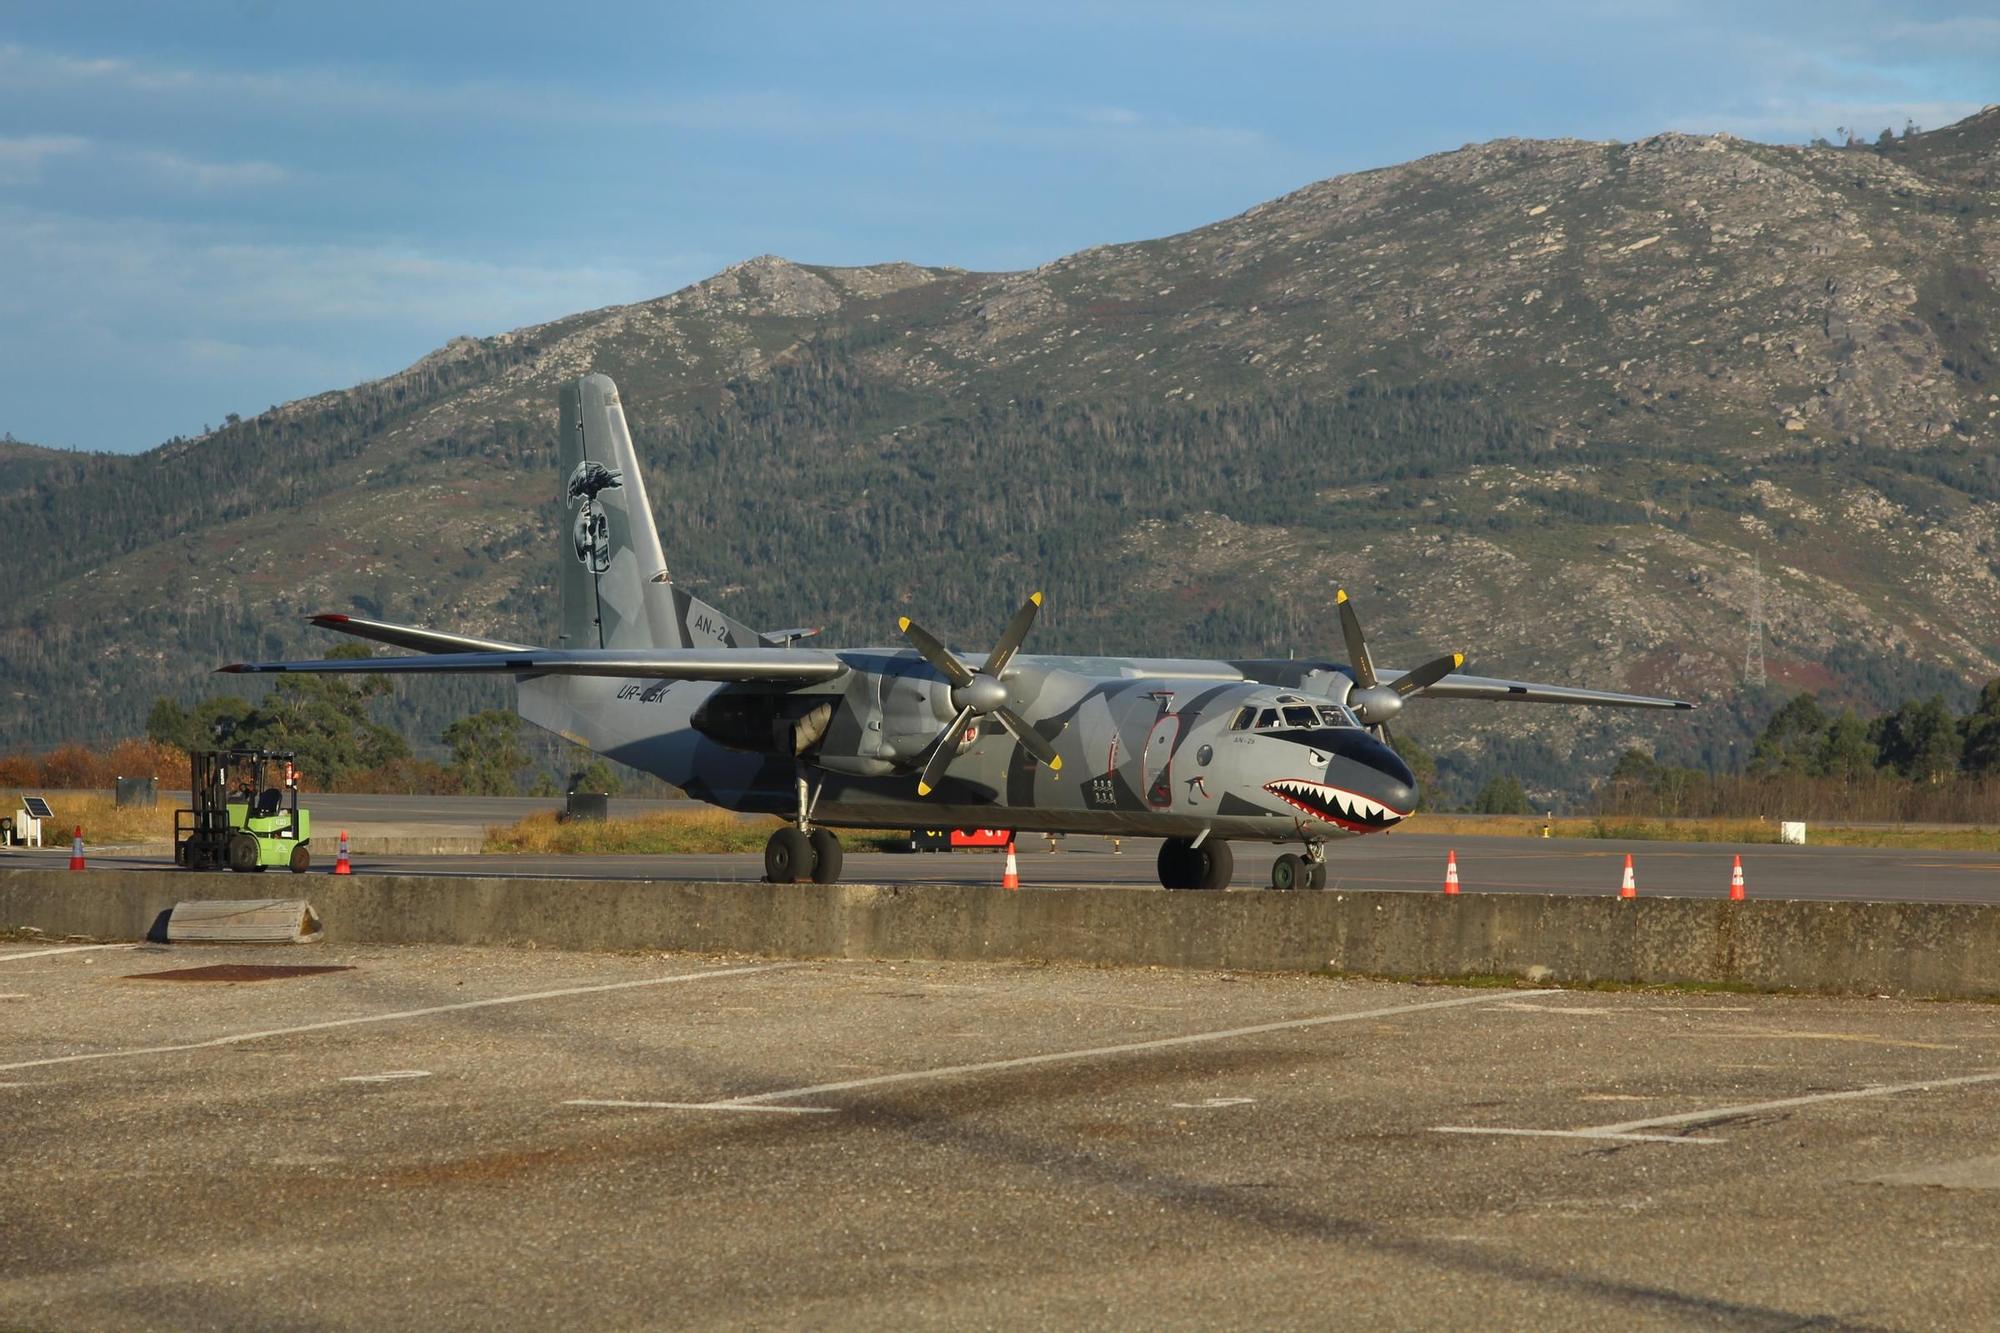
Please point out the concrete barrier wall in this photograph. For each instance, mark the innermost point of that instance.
(1855, 948)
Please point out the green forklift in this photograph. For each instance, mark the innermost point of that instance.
(244, 813)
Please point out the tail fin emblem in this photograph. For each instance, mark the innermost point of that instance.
(592, 532)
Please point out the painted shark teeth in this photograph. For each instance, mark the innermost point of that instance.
(1334, 805)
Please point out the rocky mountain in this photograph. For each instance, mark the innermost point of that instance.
(1542, 401)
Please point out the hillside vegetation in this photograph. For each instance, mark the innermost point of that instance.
(1538, 401)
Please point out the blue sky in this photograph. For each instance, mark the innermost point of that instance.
(213, 207)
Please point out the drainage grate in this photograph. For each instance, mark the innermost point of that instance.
(236, 972)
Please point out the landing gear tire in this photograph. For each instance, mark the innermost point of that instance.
(301, 858)
(788, 857)
(1315, 875)
(826, 856)
(243, 854)
(1184, 866)
(1290, 871)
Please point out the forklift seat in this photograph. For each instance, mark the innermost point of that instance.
(268, 803)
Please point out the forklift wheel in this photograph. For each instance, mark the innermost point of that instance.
(243, 853)
(301, 858)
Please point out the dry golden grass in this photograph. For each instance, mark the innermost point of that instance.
(1627, 829)
(102, 820)
(666, 832)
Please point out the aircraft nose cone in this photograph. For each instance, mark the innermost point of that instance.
(1360, 762)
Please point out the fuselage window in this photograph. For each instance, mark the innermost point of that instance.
(1301, 715)
(1244, 717)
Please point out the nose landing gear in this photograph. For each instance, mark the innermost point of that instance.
(1292, 871)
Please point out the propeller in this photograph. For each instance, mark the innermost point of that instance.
(1374, 703)
(978, 693)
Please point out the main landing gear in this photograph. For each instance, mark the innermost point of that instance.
(1183, 865)
(799, 852)
(1292, 871)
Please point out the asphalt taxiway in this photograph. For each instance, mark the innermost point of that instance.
(1413, 862)
(445, 1138)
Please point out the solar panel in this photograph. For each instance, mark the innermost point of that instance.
(37, 808)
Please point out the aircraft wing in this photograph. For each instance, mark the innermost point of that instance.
(782, 665)
(1527, 692)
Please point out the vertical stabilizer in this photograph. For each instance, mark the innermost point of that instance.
(614, 585)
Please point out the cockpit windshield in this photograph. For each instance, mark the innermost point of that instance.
(1295, 714)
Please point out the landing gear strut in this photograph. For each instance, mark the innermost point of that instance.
(799, 852)
(1292, 871)
(1186, 866)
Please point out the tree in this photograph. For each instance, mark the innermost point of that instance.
(1981, 755)
(1791, 739)
(1502, 795)
(595, 776)
(325, 721)
(1920, 740)
(486, 752)
(1845, 752)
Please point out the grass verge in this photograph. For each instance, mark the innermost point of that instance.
(666, 833)
(1963, 839)
(104, 822)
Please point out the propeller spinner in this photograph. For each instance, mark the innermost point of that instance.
(1372, 702)
(980, 693)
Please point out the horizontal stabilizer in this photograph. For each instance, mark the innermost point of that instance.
(786, 665)
(409, 636)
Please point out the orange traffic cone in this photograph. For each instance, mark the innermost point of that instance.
(76, 850)
(1451, 872)
(1012, 879)
(1628, 887)
(340, 864)
(1736, 880)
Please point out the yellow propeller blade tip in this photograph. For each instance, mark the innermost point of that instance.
(1035, 597)
(1055, 764)
(923, 788)
(1339, 595)
(1457, 661)
(903, 623)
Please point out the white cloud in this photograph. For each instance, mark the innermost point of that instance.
(21, 157)
(172, 169)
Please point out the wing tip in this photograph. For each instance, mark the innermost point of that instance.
(234, 668)
(329, 618)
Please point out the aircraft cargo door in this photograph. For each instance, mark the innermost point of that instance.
(1159, 761)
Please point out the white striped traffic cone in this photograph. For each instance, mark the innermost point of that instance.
(341, 865)
(1736, 880)
(76, 850)
(1451, 873)
(1012, 879)
(1628, 887)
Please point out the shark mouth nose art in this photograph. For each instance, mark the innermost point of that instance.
(1335, 805)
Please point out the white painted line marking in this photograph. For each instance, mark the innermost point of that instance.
(387, 1076)
(700, 1106)
(14, 995)
(67, 948)
(239, 1037)
(1572, 1134)
(1212, 1103)
(1123, 1048)
(1785, 1103)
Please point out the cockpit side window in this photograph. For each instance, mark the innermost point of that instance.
(1267, 719)
(1301, 715)
(1244, 717)
(1336, 717)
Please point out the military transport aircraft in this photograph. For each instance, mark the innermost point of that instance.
(1200, 753)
